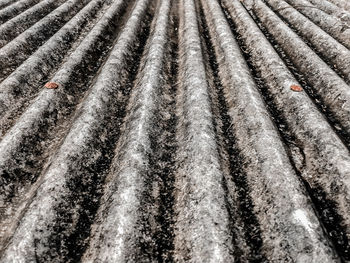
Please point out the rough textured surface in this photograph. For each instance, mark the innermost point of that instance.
(176, 131)
(330, 23)
(26, 19)
(15, 9)
(325, 45)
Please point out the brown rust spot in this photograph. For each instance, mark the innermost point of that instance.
(51, 85)
(296, 88)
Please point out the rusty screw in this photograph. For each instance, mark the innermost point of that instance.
(296, 88)
(51, 85)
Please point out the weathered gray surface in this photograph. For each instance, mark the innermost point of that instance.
(174, 134)
(330, 23)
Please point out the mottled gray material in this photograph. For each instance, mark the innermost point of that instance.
(202, 231)
(16, 8)
(20, 48)
(335, 53)
(268, 170)
(341, 3)
(125, 214)
(83, 145)
(5, 3)
(32, 123)
(319, 155)
(330, 24)
(333, 10)
(172, 133)
(13, 91)
(333, 90)
(20, 23)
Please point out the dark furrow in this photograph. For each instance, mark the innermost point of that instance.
(303, 79)
(341, 4)
(246, 236)
(15, 9)
(201, 215)
(20, 23)
(335, 93)
(318, 154)
(16, 94)
(178, 131)
(68, 198)
(20, 48)
(332, 25)
(263, 159)
(50, 113)
(317, 100)
(5, 3)
(333, 10)
(165, 145)
(127, 225)
(334, 54)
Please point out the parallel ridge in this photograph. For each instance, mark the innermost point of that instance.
(15, 9)
(5, 3)
(177, 131)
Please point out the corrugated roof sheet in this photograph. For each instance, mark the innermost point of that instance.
(174, 131)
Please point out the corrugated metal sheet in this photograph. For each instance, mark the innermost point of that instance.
(174, 131)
